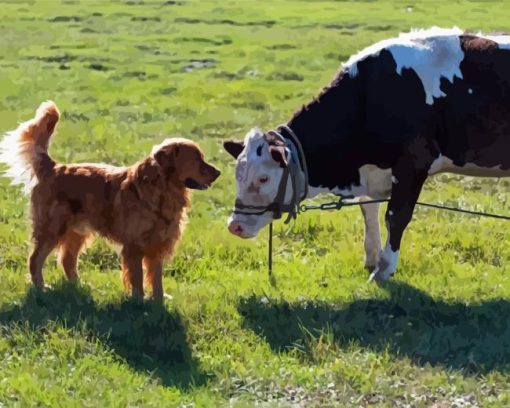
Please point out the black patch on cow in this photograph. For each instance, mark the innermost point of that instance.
(475, 114)
(259, 150)
(368, 119)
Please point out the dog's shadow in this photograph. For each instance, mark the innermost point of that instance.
(148, 337)
(473, 338)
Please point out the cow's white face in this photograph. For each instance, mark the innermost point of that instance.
(259, 169)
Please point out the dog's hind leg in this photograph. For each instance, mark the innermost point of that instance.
(70, 245)
(42, 248)
(132, 272)
(154, 277)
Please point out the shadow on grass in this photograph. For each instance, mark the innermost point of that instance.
(147, 336)
(473, 338)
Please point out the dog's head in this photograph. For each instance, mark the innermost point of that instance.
(183, 161)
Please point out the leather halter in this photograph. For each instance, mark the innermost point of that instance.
(295, 170)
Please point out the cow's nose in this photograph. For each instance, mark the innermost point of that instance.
(216, 174)
(235, 228)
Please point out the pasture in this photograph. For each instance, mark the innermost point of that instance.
(127, 74)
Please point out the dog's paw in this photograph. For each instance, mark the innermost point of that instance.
(44, 287)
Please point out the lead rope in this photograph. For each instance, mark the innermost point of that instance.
(270, 251)
(337, 205)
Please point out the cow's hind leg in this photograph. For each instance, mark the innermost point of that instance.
(372, 234)
(406, 187)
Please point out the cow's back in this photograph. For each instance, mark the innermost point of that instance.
(450, 88)
(476, 113)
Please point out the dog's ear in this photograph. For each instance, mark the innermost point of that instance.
(233, 148)
(166, 156)
(148, 171)
(279, 154)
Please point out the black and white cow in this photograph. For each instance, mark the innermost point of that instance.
(401, 110)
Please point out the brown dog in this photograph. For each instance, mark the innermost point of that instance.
(142, 207)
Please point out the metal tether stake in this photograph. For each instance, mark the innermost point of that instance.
(270, 250)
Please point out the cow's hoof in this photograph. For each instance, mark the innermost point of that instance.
(378, 277)
(382, 272)
(370, 268)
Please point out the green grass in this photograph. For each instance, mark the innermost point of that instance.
(126, 75)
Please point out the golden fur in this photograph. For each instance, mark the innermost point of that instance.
(142, 207)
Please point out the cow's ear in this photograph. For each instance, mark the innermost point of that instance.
(279, 154)
(233, 148)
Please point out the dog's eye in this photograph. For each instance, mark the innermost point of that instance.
(264, 179)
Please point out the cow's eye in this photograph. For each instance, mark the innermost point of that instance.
(264, 179)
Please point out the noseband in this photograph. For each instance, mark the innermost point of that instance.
(295, 170)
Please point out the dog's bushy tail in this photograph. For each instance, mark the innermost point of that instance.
(25, 149)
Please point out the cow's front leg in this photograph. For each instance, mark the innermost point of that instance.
(406, 187)
(372, 234)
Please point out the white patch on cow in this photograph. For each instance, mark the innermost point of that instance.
(503, 41)
(470, 91)
(394, 180)
(374, 182)
(438, 165)
(387, 264)
(443, 164)
(377, 181)
(250, 168)
(433, 54)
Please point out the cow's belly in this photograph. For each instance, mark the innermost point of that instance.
(444, 164)
(377, 181)
(374, 182)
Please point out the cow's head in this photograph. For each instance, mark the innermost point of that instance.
(259, 170)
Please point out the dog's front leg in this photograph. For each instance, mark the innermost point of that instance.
(132, 272)
(154, 277)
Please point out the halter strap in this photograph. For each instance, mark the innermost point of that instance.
(301, 156)
(295, 167)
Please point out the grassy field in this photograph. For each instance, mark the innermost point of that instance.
(126, 74)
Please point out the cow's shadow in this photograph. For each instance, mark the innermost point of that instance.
(147, 336)
(474, 338)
